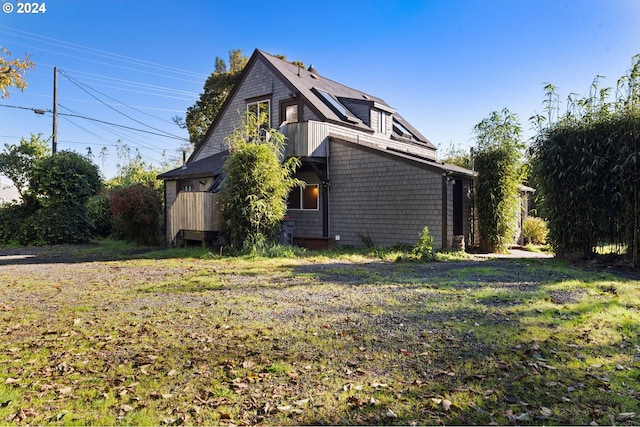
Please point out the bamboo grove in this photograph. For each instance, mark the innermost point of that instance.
(585, 165)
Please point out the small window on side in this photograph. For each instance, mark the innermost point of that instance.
(304, 198)
(291, 113)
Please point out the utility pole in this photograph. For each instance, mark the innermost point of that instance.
(54, 138)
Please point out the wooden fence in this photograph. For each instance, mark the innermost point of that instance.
(195, 211)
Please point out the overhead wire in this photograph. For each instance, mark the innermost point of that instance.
(131, 134)
(97, 52)
(85, 88)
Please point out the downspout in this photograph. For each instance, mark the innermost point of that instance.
(325, 197)
(166, 213)
(445, 225)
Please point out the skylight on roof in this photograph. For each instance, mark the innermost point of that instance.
(402, 130)
(336, 106)
(332, 102)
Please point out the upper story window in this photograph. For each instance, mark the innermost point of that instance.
(291, 113)
(382, 121)
(259, 108)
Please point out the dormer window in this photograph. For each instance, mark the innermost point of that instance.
(382, 121)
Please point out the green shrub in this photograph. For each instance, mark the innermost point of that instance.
(257, 185)
(423, 250)
(13, 217)
(137, 214)
(53, 225)
(98, 215)
(535, 230)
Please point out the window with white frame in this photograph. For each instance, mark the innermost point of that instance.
(259, 108)
(382, 121)
(304, 198)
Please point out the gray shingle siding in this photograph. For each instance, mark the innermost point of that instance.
(260, 81)
(170, 194)
(386, 200)
(308, 222)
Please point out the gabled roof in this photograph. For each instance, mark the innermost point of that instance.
(209, 166)
(310, 84)
(307, 85)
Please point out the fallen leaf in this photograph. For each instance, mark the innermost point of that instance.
(545, 412)
(625, 416)
(11, 380)
(391, 414)
(284, 408)
(65, 390)
(446, 405)
(301, 402)
(171, 373)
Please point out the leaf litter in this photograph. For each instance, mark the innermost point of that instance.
(254, 351)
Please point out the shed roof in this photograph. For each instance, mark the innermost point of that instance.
(208, 166)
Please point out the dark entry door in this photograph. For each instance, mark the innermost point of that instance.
(458, 208)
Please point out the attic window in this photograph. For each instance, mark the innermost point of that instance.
(402, 130)
(336, 106)
(259, 108)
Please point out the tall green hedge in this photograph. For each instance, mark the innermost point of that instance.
(586, 166)
(498, 161)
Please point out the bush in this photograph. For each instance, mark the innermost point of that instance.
(52, 225)
(137, 214)
(13, 217)
(423, 250)
(98, 215)
(257, 185)
(535, 230)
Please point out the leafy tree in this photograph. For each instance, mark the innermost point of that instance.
(257, 184)
(498, 162)
(457, 155)
(132, 169)
(64, 179)
(55, 211)
(216, 89)
(18, 160)
(12, 72)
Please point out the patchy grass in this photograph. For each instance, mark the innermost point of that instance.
(189, 337)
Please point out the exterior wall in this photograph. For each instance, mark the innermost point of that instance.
(388, 200)
(260, 81)
(361, 110)
(170, 194)
(308, 114)
(308, 222)
(353, 135)
(447, 216)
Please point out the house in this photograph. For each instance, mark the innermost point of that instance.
(372, 178)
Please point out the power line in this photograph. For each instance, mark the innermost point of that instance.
(109, 64)
(100, 53)
(39, 111)
(123, 126)
(80, 85)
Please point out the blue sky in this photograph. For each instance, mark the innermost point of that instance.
(444, 65)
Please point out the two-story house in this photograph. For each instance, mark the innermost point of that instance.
(371, 176)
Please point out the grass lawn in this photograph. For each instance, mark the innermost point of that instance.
(102, 334)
